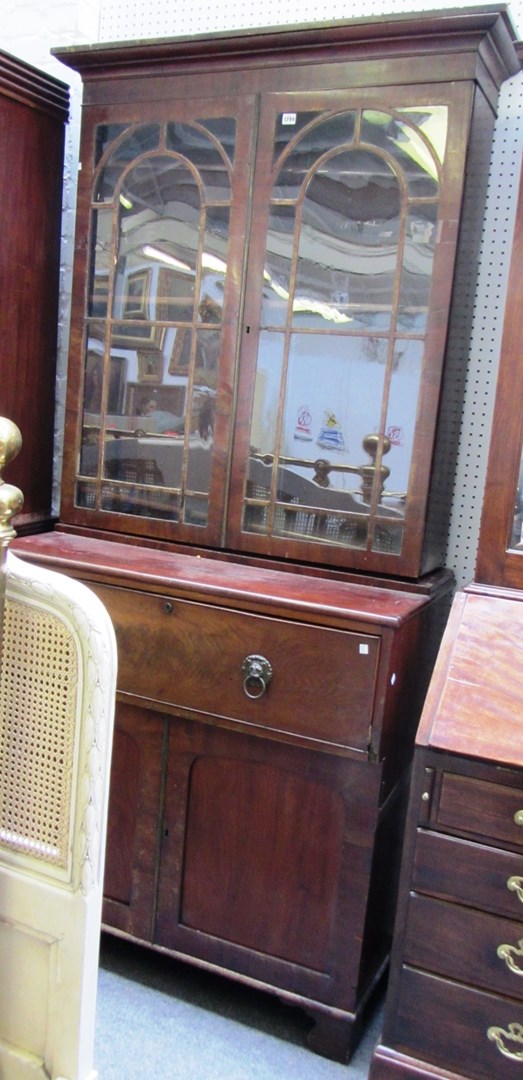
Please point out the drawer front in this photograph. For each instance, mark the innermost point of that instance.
(469, 873)
(458, 1029)
(466, 945)
(191, 656)
(481, 808)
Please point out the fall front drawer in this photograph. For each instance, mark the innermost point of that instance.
(319, 683)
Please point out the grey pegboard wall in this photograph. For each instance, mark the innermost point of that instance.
(489, 307)
(163, 18)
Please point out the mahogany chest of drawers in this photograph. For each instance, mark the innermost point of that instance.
(455, 1000)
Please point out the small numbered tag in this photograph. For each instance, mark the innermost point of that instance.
(288, 118)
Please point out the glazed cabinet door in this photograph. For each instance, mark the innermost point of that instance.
(264, 319)
(162, 207)
(350, 268)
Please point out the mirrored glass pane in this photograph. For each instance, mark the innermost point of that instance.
(348, 241)
(316, 140)
(278, 265)
(323, 435)
(203, 151)
(158, 242)
(92, 402)
(432, 121)
(387, 537)
(418, 260)
(401, 418)
(516, 538)
(196, 510)
(334, 390)
(100, 267)
(213, 263)
(266, 404)
(206, 360)
(224, 130)
(149, 423)
(135, 482)
(407, 147)
(85, 495)
(105, 134)
(142, 139)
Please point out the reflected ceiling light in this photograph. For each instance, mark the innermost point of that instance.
(307, 305)
(162, 256)
(212, 262)
(208, 261)
(125, 202)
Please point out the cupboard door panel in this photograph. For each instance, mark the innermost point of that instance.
(133, 821)
(260, 831)
(266, 857)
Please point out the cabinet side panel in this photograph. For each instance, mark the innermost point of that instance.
(459, 339)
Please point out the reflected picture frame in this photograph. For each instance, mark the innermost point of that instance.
(136, 299)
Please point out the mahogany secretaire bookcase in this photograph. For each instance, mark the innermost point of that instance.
(275, 237)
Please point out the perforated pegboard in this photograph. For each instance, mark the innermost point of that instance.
(126, 19)
(163, 18)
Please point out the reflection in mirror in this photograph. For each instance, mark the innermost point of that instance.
(100, 267)
(415, 152)
(148, 433)
(159, 223)
(152, 360)
(300, 140)
(316, 448)
(348, 240)
(348, 270)
(127, 145)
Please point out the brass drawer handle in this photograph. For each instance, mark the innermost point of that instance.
(508, 952)
(515, 884)
(257, 674)
(518, 817)
(514, 1035)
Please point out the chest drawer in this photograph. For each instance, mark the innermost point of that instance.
(469, 873)
(469, 946)
(191, 656)
(481, 808)
(457, 1028)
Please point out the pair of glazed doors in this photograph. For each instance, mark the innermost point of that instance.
(262, 294)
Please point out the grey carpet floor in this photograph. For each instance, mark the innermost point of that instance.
(158, 1019)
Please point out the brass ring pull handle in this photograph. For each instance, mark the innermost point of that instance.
(514, 1036)
(518, 817)
(515, 884)
(508, 953)
(257, 674)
